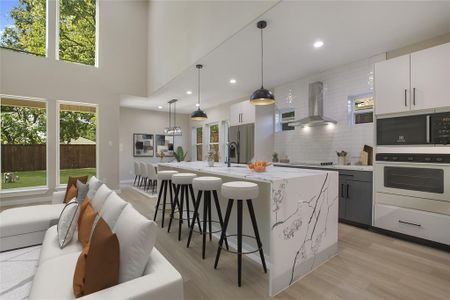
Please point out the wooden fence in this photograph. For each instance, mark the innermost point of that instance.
(33, 157)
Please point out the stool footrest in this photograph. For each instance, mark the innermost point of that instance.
(236, 252)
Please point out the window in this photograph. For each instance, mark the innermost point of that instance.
(282, 118)
(23, 143)
(360, 108)
(199, 143)
(214, 140)
(77, 140)
(23, 25)
(77, 23)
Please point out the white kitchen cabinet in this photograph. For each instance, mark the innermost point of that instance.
(392, 85)
(242, 113)
(430, 78)
(416, 81)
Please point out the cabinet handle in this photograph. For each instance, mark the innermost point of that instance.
(406, 91)
(414, 96)
(348, 187)
(409, 223)
(342, 190)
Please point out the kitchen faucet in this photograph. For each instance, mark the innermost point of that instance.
(236, 146)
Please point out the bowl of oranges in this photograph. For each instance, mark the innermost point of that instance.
(258, 166)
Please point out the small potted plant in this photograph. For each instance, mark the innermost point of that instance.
(180, 155)
(211, 157)
(275, 157)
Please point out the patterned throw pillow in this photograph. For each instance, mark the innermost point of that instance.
(67, 223)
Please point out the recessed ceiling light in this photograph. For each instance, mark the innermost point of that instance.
(197, 105)
(189, 92)
(232, 81)
(318, 44)
(160, 107)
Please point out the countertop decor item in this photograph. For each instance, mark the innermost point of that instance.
(180, 155)
(262, 96)
(198, 115)
(275, 157)
(259, 165)
(211, 158)
(342, 157)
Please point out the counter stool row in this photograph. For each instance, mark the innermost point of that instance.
(184, 185)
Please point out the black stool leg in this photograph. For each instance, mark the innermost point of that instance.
(180, 210)
(191, 189)
(205, 218)
(209, 215)
(135, 177)
(224, 230)
(255, 229)
(219, 213)
(164, 202)
(159, 199)
(174, 205)
(187, 205)
(239, 240)
(197, 205)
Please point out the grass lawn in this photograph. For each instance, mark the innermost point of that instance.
(39, 178)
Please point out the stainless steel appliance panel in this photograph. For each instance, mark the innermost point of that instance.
(244, 136)
(410, 130)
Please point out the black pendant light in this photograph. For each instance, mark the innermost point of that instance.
(262, 96)
(198, 115)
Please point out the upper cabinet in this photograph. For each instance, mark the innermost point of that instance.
(430, 77)
(242, 113)
(420, 80)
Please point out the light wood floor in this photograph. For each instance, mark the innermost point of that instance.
(368, 266)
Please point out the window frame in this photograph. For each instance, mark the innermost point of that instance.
(215, 143)
(58, 152)
(195, 144)
(31, 189)
(351, 112)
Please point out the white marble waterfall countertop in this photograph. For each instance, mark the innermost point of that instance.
(242, 171)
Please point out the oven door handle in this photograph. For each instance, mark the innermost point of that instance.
(428, 128)
(409, 223)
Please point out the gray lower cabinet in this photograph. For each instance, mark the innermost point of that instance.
(355, 197)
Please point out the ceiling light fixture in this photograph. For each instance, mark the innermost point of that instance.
(232, 81)
(262, 96)
(173, 130)
(198, 115)
(189, 92)
(318, 44)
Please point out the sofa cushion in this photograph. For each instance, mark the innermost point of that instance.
(94, 184)
(53, 278)
(86, 222)
(67, 223)
(112, 208)
(98, 264)
(82, 189)
(21, 220)
(72, 181)
(137, 236)
(100, 197)
(50, 247)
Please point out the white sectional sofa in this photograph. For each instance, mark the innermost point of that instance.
(32, 225)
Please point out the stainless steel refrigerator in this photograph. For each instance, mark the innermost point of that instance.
(244, 137)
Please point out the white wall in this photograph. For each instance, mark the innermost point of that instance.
(121, 69)
(182, 32)
(152, 122)
(320, 143)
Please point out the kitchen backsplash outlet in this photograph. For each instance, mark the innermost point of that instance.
(321, 143)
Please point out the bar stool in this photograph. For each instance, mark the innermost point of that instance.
(182, 182)
(165, 178)
(239, 190)
(206, 185)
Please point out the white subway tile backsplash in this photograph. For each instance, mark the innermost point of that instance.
(320, 143)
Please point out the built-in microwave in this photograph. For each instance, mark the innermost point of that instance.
(414, 130)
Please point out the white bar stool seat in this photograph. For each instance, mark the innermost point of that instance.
(207, 183)
(165, 181)
(183, 178)
(166, 175)
(242, 190)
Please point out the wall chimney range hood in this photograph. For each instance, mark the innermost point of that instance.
(315, 110)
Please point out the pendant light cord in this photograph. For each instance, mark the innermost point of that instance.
(262, 59)
(174, 114)
(198, 86)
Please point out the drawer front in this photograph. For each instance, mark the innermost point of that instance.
(357, 175)
(412, 222)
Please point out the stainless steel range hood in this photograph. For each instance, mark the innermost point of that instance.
(315, 116)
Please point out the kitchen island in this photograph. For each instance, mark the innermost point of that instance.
(297, 215)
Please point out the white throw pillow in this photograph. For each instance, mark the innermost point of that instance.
(137, 237)
(112, 208)
(67, 223)
(100, 197)
(94, 185)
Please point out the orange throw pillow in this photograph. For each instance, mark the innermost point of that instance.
(71, 193)
(85, 222)
(73, 182)
(98, 264)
